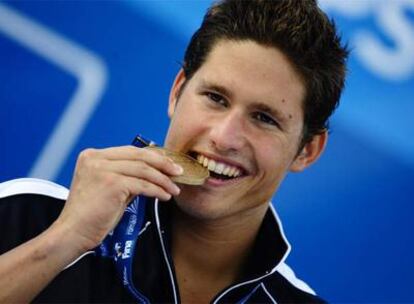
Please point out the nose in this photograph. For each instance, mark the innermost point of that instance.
(227, 133)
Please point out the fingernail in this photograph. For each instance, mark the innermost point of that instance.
(167, 197)
(177, 190)
(178, 169)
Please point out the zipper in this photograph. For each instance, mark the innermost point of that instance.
(232, 287)
(164, 251)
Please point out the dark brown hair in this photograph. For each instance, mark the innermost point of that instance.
(296, 27)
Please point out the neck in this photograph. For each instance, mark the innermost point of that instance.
(213, 251)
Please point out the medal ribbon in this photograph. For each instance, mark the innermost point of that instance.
(120, 243)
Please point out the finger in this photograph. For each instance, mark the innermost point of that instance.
(143, 187)
(142, 170)
(162, 163)
(126, 152)
(152, 157)
(121, 152)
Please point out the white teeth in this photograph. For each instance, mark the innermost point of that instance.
(217, 167)
(237, 173)
(211, 165)
(226, 170)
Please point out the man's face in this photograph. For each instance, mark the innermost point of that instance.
(241, 114)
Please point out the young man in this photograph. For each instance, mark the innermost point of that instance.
(251, 103)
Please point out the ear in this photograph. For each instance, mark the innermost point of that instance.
(310, 152)
(175, 92)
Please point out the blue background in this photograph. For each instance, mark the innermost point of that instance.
(349, 217)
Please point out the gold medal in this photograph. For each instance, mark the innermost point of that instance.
(194, 173)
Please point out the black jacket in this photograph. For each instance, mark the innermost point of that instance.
(29, 206)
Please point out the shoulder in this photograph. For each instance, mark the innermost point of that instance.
(27, 207)
(287, 273)
(284, 286)
(24, 186)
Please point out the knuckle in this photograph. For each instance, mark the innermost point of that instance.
(135, 149)
(139, 152)
(122, 195)
(143, 169)
(167, 163)
(145, 185)
(109, 180)
(166, 182)
(87, 154)
(117, 187)
(167, 160)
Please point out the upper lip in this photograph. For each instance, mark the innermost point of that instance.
(227, 161)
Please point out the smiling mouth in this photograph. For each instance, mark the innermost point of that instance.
(219, 170)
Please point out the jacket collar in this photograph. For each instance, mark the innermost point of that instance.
(269, 250)
(154, 273)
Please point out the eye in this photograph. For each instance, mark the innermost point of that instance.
(265, 118)
(216, 98)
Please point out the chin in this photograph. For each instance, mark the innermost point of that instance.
(200, 211)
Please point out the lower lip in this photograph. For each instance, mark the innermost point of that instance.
(215, 182)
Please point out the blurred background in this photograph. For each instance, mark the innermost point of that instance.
(78, 74)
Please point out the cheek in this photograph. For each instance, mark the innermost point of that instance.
(187, 120)
(273, 164)
(185, 124)
(271, 168)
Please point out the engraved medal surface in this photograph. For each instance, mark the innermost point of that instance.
(194, 173)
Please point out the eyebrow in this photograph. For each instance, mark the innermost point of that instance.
(278, 115)
(216, 87)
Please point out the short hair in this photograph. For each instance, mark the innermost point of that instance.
(296, 27)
